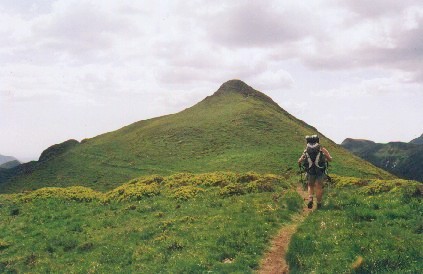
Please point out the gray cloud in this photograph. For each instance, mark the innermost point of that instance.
(363, 37)
(123, 61)
(67, 32)
(405, 53)
(79, 29)
(377, 8)
(258, 24)
(27, 8)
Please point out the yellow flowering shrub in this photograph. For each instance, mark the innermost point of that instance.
(380, 186)
(74, 193)
(133, 191)
(181, 186)
(233, 189)
(341, 181)
(186, 192)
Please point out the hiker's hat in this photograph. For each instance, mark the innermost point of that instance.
(312, 139)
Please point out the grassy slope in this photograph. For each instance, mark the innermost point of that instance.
(198, 223)
(417, 141)
(5, 159)
(10, 164)
(364, 227)
(218, 222)
(402, 159)
(225, 132)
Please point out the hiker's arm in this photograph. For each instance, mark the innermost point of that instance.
(328, 157)
(301, 159)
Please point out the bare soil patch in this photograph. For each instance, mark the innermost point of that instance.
(274, 260)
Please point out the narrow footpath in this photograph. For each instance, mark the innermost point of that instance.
(274, 260)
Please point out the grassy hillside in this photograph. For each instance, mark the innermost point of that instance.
(237, 129)
(213, 222)
(402, 159)
(218, 222)
(5, 159)
(10, 164)
(417, 141)
(365, 226)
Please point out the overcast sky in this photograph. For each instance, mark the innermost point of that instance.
(76, 69)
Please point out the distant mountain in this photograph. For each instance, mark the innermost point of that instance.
(236, 129)
(402, 159)
(5, 159)
(417, 141)
(10, 164)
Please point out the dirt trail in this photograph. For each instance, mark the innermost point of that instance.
(274, 260)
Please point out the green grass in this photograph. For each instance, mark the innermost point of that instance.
(365, 226)
(218, 222)
(402, 159)
(202, 211)
(228, 131)
(185, 223)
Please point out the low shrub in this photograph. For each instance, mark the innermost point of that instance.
(186, 192)
(248, 177)
(340, 181)
(233, 189)
(260, 185)
(74, 193)
(217, 179)
(180, 179)
(133, 192)
(398, 185)
(182, 186)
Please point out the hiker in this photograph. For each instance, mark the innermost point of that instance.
(314, 159)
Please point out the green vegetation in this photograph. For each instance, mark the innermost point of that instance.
(365, 226)
(418, 140)
(195, 207)
(402, 159)
(184, 223)
(10, 164)
(5, 159)
(220, 222)
(237, 129)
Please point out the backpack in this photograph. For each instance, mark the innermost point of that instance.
(314, 161)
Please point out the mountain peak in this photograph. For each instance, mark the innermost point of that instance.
(238, 86)
(237, 129)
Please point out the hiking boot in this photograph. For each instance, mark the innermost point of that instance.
(319, 205)
(310, 204)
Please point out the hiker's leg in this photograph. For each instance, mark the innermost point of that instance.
(310, 183)
(310, 191)
(319, 191)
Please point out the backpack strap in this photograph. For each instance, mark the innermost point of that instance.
(316, 162)
(310, 162)
(313, 145)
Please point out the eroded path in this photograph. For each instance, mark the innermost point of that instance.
(274, 260)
